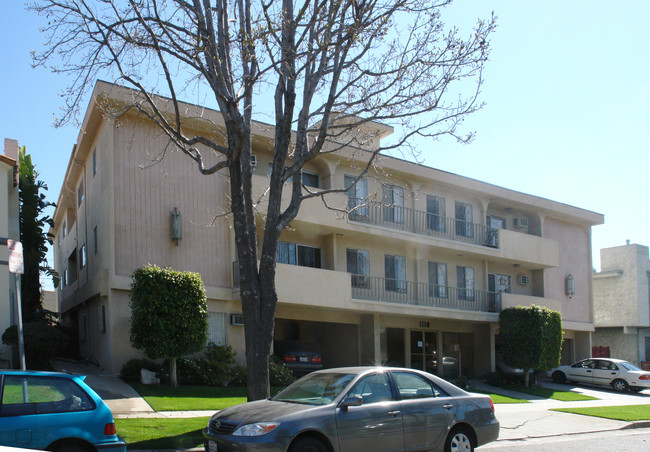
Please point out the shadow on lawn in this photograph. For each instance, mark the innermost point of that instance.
(183, 441)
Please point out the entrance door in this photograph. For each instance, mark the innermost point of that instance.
(424, 349)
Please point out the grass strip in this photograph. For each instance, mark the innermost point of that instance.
(187, 398)
(166, 398)
(547, 393)
(500, 398)
(154, 433)
(618, 413)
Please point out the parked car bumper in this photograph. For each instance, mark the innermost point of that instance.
(225, 443)
(113, 446)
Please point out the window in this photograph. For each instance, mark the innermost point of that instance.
(357, 198)
(436, 214)
(303, 255)
(499, 283)
(310, 179)
(83, 327)
(64, 281)
(373, 388)
(72, 267)
(64, 230)
(437, 280)
(395, 269)
(101, 315)
(218, 328)
(393, 201)
(413, 386)
(464, 220)
(465, 280)
(82, 256)
(80, 193)
(307, 178)
(358, 262)
(95, 244)
(25, 395)
(94, 162)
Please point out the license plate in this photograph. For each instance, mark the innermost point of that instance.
(304, 359)
(212, 446)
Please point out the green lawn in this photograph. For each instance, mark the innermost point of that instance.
(166, 398)
(154, 433)
(499, 398)
(564, 396)
(619, 413)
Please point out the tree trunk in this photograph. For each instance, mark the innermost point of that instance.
(526, 378)
(173, 381)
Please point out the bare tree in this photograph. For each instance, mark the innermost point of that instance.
(336, 67)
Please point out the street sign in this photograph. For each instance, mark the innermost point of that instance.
(15, 257)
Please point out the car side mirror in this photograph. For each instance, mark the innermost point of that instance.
(351, 401)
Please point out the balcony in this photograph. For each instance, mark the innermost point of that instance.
(424, 294)
(334, 289)
(423, 223)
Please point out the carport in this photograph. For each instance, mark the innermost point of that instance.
(337, 343)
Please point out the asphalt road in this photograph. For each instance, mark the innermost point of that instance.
(637, 440)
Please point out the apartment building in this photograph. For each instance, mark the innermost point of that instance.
(622, 303)
(9, 229)
(415, 275)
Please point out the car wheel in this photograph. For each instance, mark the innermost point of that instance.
(619, 385)
(558, 377)
(459, 440)
(308, 444)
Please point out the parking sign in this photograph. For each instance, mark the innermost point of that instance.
(15, 257)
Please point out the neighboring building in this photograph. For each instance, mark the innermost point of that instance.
(419, 270)
(9, 229)
(622, 303)
(50, 303)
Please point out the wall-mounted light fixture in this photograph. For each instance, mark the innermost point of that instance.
(176, 226)
(570, 286)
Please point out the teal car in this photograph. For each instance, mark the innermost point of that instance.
(56, 412)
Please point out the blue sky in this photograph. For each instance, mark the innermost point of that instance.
(568, 98)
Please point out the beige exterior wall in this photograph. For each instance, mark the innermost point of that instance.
(9, 229)
(140, 179)
(622, 302)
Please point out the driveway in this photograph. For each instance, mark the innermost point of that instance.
(535, 420)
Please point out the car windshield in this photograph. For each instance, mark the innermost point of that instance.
(629, 366)
(315, 388)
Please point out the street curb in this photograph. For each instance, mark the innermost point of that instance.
(636, 424)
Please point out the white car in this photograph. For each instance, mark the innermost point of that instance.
(617, 373)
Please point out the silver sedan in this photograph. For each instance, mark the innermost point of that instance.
(617, 373)
(358, 408)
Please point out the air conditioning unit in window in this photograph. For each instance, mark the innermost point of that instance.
(523, 280)
(237, 319)
(253, 160)
(520, 223)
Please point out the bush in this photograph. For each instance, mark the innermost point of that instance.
(238, 374)
(496, 379)
(43, 341)
(280, 375)
(131, 369)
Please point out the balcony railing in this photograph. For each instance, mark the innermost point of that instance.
(424, 294)
(421, 222)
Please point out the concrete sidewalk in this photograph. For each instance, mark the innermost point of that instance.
(519, 421)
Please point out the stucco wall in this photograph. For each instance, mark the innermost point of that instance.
(147, 188)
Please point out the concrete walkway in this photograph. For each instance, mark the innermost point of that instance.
(118, 395)
(519, 421)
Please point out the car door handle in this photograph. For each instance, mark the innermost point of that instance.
(394, 413)
(447, 407)
(588, 371)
